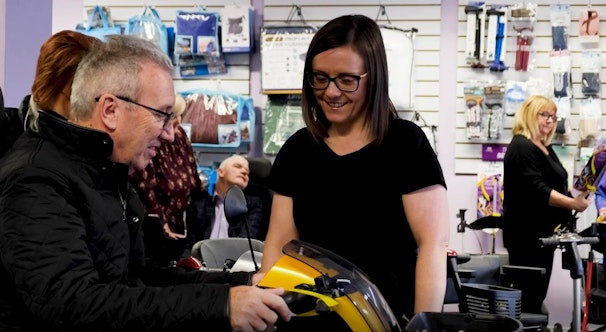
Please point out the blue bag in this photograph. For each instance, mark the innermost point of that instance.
(97, 31)
(197, 32)
(149, 26)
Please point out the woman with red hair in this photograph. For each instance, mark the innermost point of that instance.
(59, 57)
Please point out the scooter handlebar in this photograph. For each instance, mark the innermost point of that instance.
(559, 239)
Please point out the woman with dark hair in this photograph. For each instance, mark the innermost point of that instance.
(358, 180)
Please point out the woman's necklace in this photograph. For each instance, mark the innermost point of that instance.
(123, 202)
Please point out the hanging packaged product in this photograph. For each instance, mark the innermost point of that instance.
(563, 127)
(197, 49)
(218, 119)
(539, 86)
(100, 24)
(399, 48)
(589, 27)
(490, 189)
(476, 22)
(560, 68)
(594, 168)
(523, 18)
(474, 100)
(590, 118)
(515, 94)
(236, 29)
(283, 117)
(283, 51)
(149, 26)
(492, 120)
(560, 23)
(497, 27)
(590, 73)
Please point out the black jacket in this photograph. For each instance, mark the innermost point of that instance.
(11, 123)
(71, 260)
(529, 177)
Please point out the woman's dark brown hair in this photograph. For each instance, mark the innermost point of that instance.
(364, 35)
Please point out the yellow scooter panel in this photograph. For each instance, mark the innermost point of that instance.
(289, 273)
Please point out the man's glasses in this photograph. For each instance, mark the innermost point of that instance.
(344, 82)
(167, 116)
(547, 116)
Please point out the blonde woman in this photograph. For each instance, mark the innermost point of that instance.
(536, 198)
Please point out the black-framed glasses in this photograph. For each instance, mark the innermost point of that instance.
(167, 116)
(548, 116)
(344, 82)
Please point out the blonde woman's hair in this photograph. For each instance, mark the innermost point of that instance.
(31, 116)
(179, 107)
(526, 120)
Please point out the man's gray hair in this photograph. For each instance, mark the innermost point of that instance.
(113, 67)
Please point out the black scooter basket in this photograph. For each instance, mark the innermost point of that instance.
(491, 299)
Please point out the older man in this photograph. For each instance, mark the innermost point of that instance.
(71, 250)
(208, 220)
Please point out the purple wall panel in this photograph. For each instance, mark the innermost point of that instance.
(29, 24)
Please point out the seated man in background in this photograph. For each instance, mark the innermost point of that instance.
(207, 220)
(71, 244)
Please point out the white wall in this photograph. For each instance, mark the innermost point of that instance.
(66, 14)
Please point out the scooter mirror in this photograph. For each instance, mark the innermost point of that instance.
(235, 209)
(235, 205)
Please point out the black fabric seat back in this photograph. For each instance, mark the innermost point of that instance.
(11, 125)
(257, 186)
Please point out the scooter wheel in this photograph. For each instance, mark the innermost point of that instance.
(557, 327)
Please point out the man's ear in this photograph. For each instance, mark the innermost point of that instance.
(107, 112)
(220, 172)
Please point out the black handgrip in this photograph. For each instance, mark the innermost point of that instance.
(298, 302)
(591, 240)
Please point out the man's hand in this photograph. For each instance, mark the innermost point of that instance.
(256, 309)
